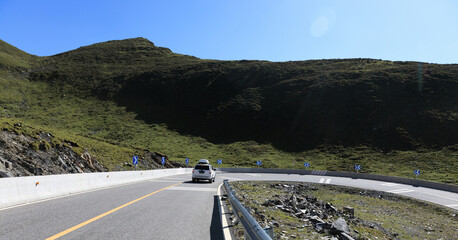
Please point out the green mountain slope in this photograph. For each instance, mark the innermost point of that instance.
(120, 98)
(294, 105)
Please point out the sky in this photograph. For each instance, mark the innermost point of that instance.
(274, 30)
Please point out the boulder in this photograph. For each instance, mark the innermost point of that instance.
(340, 226)
(349, 211)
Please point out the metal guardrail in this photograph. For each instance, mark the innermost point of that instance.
(409, 181)
(252, 228)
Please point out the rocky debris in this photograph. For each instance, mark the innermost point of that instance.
(43, 154)
(321, 216)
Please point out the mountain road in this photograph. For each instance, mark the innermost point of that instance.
(165, 208)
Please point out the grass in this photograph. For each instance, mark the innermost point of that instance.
(403, 216)
(111, 100)
(113, 134)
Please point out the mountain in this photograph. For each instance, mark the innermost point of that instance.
(126, 97)
(294, 105)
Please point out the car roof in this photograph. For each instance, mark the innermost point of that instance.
(204, 161)
(203, 164)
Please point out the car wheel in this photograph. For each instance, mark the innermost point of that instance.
(193, 180)
(213, 180)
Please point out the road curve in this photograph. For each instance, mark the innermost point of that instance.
(164, 208)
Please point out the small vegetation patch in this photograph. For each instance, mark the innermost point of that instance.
(313, 211)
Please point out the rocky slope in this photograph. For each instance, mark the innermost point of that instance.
(22, 155)
(44, 154)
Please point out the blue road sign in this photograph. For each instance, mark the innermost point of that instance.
(163, 160)
(219, 161)
(416, 172)
(187, 160)
(135, 160)
(357, 167)
(259, 163)
(306, 164)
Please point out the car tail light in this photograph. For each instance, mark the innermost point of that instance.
(193, 171)
(210, 171)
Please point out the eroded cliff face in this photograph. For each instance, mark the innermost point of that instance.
(43, 154)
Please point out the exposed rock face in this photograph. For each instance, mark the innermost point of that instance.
(22, 155)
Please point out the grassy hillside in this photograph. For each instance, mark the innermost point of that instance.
(293, 105)
(119, 98)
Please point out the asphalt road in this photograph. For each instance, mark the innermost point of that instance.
(165, 208)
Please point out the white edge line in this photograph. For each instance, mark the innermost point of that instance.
(397, 190)
(390, 184)
(453, 199)
(77, 193)
(405, 191)
(226, 232)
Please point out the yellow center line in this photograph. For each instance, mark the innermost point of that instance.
(104, 214)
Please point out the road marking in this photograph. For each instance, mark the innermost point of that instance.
(328, 180)
(390, 184)
(453, 199)
(192, 189)
(254, 175)
(226, 231)
(231, 178)
(164, 181)
(398, 191)
(453, 205)
(105, 214)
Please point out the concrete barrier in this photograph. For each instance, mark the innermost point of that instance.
(18, 190)
(410, 181)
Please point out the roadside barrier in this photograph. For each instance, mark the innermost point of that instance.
(252, 228)
(410, 181)
(19, 190)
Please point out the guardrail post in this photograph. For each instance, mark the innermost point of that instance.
(269, 231)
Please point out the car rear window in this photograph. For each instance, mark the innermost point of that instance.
(203, 167)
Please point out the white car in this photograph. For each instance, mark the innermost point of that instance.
(203, 171)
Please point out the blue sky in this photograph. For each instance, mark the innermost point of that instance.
(275, 30)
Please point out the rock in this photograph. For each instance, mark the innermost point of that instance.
(293, 201)
(299, 214)
(5, 174)
(275, 223)
(88, 158)
(349, 211)
(330, 208)
(320, 227)
(429, 229)
(340, 226)
(344, 236)
(316, 219)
